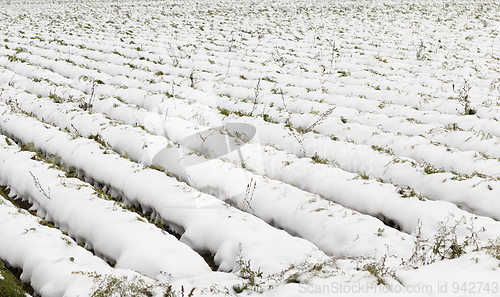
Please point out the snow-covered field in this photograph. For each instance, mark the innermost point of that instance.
(289, 148)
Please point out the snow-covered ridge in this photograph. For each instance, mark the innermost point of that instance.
(112, 232)
(53, 263)
(191, 213)
(225, 180)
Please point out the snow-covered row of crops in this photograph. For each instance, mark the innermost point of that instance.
(296, 147)
(189, 213)
(126, 240)
(52, 262)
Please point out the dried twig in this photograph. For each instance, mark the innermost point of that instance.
(228, 67)
(39, 186)
(420, 51)
(11, 82)
(256, 91)
(279, 57)
(321, 118)
(291, 129)
(334, 49)
(173, 55)
(463, 97)
(75, 129)
(86, 105)
(249, 195)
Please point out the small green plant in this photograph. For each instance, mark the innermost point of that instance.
(270, 79)
(131, 65)
(407, 192)
(430, 169)
(46, 223)
(110, 285)
(71, 173)
(21, 50)
(158, 167)
(275, 90)
(30, 147)
(223, 111)
(379, 270)
(56, 98)
(493, 248)
(168, 94)
(384, 150)
(363, 175)
(471, 111)
(343, 73)
(251, 278)
(446, 244)
(14, 58)
(293, 278)
(413, 120)
(304, 271)
(242, 113)
(384, 60)
(66, 240)
(98, 138)
(268, 118)
(318, 159)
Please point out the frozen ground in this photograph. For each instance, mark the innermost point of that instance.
(281, 148)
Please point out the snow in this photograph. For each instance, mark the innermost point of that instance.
(48, 258)
(121, 237)
(200, 217)
(228, 183)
